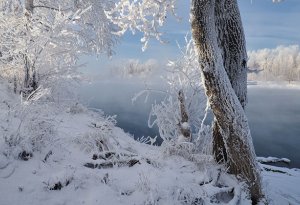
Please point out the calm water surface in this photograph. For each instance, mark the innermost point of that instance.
(274, 118)
(273, 114)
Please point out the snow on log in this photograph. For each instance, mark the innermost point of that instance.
(272, 160)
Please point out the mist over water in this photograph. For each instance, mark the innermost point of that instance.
(116, 98)
(273, 114)
(274, 118)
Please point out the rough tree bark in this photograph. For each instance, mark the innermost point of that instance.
(222, 60)
(232, 44)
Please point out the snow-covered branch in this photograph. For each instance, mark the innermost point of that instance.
(38, 38)
(146, 16)
(183, 107)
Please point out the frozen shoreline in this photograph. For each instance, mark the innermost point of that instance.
(65, 170)
(274, 84)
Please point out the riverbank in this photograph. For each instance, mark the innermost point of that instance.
(275, 84)
(67, 154)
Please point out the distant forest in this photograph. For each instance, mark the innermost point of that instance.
(279, 64)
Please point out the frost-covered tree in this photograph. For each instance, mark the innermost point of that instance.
(179, 116)
(41, 41)
(220, 43)
(281, 63)
(134, 68)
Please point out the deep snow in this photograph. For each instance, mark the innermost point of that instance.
(160, 175)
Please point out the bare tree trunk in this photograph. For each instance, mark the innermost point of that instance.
(231, 41)
(26, 83)
(30, 81)
(15, 84)
(229, 114)
(234, 55)
(29, 6)
(184, 129)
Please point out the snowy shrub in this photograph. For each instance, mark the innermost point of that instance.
(41, 131)
(29, 141)
(76, 109)
(11, 141)
(101, 138)
(166, 116)
(184, 149)
(204, 140)
(31, 124)
(188, 197)
(94, 142)
(153, 198)
(60, 180)
(147, 140)
(185, 97)
(190, 151)
(143, 183)
(29, 127)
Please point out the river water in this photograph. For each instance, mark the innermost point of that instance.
(273, 114)
(274, 118)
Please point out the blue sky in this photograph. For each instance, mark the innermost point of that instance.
(266, 25)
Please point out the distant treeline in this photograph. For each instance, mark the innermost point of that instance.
(134, 68)
(281, 63)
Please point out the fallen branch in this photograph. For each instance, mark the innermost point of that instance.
(111, 164)
(264, 160)
(275, 170)
(110, 155)
(47, 156)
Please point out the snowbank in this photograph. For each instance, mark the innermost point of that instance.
(86, 159)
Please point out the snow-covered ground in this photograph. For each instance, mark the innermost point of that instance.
(85, 159)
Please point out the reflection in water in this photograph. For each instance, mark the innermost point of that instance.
(273, 113)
